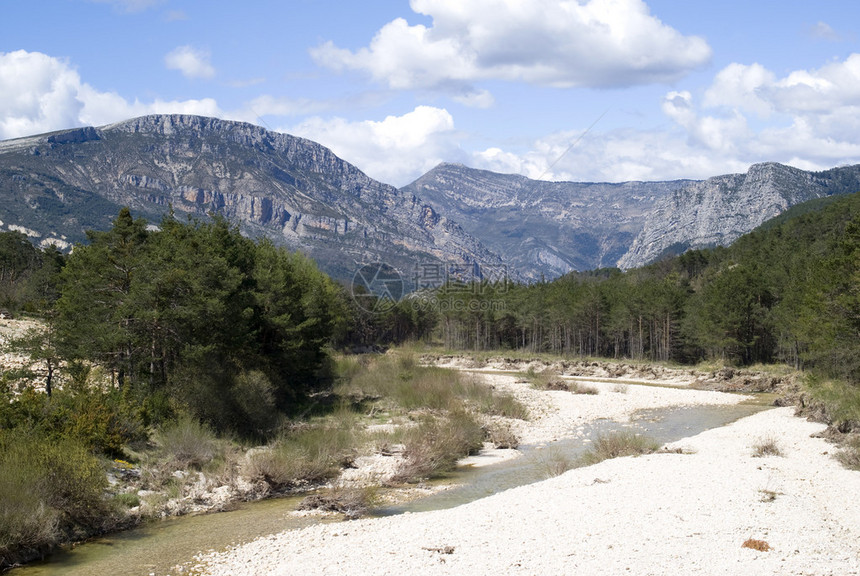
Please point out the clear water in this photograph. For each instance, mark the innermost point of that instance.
(154, 549)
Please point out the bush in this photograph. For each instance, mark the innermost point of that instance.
(351, 502)
(254, 393)
(49, 490)
(618, 445)
(307, 454)
(435, 445)
(186, 442)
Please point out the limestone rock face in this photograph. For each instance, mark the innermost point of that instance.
(542, 229)
(289, 189)
(719, 210)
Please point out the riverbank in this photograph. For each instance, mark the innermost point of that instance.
(687, 513)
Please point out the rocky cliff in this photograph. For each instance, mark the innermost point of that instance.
(719, 210)
(550, 228)
(543, 228)
(292, 190)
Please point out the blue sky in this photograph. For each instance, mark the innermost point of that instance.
(588, 90)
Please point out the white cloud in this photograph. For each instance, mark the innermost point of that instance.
(39, 93)
(395, 150)
(193, 63)
(823, 31)
(599, 43)
(807, 118)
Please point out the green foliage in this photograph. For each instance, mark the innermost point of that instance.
(49, 489)
(230, 329)
(28, 275)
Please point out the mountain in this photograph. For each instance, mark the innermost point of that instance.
(545, 229)
(296, 192)
(719, 210)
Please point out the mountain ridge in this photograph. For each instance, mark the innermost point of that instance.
(287, 188)
(551, 228)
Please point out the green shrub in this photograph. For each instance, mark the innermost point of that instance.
(186, 442)
(49, 490)
(127, 500)
(254, 393)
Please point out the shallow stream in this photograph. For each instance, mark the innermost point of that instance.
(154, 549)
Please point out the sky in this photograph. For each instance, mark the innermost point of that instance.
(577, 90)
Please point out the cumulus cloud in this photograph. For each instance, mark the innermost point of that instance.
(807, 118)
(192, 62)
(395, 150)
(599, 43)
(40, 93)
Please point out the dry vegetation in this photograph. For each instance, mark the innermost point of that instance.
(767, 446)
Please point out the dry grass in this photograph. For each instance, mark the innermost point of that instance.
(550, 380)
(307, 453)
(352, 502)
(753, 544)
(618, 445)
(401, 383)
(766, 446)
(579, 388)
(553, 462)
(187, 443)
(849, 456)
(434, 446)
(501, 435)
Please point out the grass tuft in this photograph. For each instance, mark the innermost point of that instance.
(767, 446)
(849, 456)
(618, 445)
(307, 453)
(187, 442)
(434, 446)
(553, 462)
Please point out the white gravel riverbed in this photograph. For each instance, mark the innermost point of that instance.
(656, 514)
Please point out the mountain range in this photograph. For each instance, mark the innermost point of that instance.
(298, 193)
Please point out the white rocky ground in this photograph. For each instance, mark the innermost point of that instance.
(656, 514)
